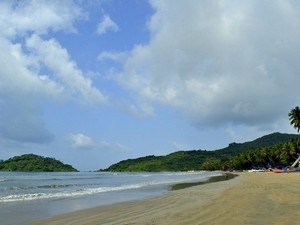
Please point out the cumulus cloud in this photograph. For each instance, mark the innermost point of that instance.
(53, 56)
(35, 68)
(20, 17)
(81, 141)
(107, 24)
(20, 90)
(219, 62)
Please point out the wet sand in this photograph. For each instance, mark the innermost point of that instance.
(251, 198)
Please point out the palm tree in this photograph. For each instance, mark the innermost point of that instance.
(294, 117)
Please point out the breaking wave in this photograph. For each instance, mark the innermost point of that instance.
(59, 195)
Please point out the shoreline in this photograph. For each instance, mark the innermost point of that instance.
(224, 177)
(250, 198)
(58, 194)
(111, 214)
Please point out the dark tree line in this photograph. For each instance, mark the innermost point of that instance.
(283, 154)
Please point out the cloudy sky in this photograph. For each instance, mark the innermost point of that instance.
(95, 82)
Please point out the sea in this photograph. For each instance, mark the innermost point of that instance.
(27, 197)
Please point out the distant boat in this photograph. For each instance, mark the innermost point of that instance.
(256, 170)
(279, 171)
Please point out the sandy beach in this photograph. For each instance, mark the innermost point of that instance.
(251, 198)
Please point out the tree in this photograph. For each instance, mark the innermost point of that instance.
(211, 164)
(294, 117)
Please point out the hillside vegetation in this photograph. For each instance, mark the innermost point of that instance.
(34, 163)
(273, 149)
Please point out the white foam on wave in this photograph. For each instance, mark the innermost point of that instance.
(60, 195)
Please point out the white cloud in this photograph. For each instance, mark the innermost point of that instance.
(219, 62)
(113, 56)
(20, 17)
(19, 73)
(35, 68)
(107, 24)
(81, 141)
(21, 89)
(57, 59)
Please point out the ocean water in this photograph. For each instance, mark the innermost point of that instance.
(27, 197)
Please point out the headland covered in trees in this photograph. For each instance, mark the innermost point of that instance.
(275, 149)
(34, 163)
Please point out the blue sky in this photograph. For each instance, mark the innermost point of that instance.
(95, 82)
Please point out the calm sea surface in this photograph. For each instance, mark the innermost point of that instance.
(26, 197)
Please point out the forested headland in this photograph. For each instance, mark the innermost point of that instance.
(34, 163)
(275, 149)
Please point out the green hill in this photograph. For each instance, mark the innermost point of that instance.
(264, 141)
(198, 159)
(34, 163)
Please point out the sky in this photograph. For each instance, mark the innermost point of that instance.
(95, 82)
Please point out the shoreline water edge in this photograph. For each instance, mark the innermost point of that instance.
(116, 213)
(28, 197)
(225, 176)
(250, 198)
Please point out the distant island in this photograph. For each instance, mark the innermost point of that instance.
(275, 149)
(34, 163)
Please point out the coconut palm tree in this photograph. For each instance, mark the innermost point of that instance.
(294, 117)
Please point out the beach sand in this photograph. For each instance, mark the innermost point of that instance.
(250, 198)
